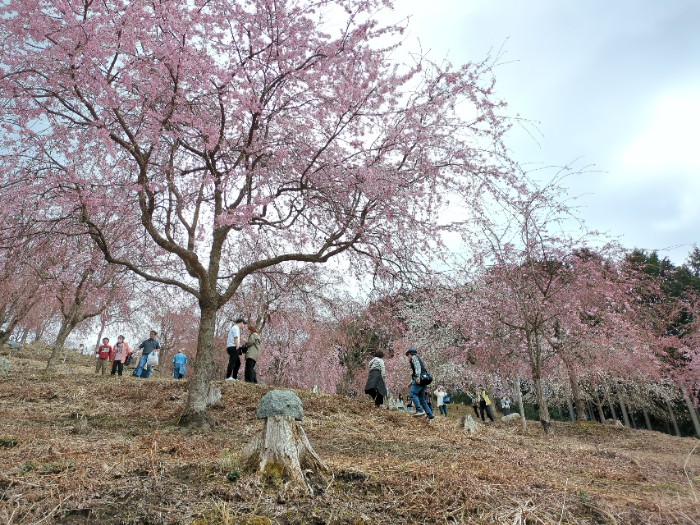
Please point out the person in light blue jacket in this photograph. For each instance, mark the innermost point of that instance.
(179, 364)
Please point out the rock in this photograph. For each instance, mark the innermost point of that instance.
(614, 422)
(470, 425)
(280, 403)
(511, 418)
(391, 403)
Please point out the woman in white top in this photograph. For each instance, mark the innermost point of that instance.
(440, 393)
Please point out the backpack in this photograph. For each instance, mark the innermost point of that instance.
(447, 399)
(129, 359)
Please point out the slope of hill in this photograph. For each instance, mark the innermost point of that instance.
(79, 449)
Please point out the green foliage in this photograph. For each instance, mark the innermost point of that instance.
(274, 473)
(8, 442)
(53, 467)
(28, 466)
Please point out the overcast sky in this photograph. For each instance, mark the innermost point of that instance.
(614, 83)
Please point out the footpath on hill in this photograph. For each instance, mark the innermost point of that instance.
(80, 449)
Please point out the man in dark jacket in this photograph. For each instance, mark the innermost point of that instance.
(417, 391)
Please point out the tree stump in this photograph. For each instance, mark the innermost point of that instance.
(282, 454)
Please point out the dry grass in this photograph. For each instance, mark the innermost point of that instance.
(79, 449)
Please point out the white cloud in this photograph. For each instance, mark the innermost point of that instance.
(667, 146)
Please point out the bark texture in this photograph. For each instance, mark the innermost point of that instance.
(283, 455)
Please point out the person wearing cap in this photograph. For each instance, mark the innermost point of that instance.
(233, 346)
(417, 391)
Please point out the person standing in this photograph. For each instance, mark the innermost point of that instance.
(400, 403)
(149, 345)
(179, 365)
(252, 354)
(233, 349)
(376, 379)
(484, 404)
(505, 405)
(417, 391)
(440, 394)
(475, 402)
(103, 353)
(119, 354)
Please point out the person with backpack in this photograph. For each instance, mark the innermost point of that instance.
(484, 403)
(120, 352)
(420, 379)
(441, 394)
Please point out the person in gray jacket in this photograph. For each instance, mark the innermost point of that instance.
(376, 379)
(252, 354)
(143, 370)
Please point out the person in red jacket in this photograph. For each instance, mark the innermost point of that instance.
(119, 354)
(103, 354)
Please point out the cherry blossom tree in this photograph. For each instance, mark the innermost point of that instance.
(233, 137)
(21, 285)
(83, 285)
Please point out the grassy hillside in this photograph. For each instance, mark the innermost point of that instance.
(79, 449)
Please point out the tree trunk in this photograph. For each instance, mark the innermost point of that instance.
(521, 408)
(103, 326)
(535, 353)
(40, 332)
(623, 408)
(599, 405)
(570, 406)
(606, 391)
(590, 409)
(283, 454)
(647, 421)
(575, 390)
(672, 416)
(67, 326)
(195, 413)
(691, 409)
(632, 419)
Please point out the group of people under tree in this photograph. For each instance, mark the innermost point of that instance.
(121, 354)
(420, 379)
(418, 392)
